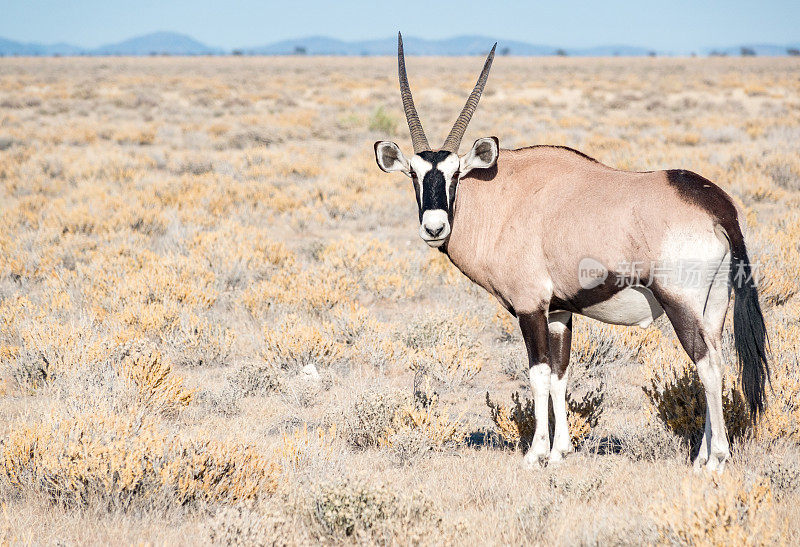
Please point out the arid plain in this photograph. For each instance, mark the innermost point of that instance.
(218, 323)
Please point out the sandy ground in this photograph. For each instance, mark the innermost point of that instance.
(182, 237)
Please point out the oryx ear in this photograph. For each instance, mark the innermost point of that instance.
(390, 158)
(482, 155)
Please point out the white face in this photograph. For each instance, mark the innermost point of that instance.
(435, 175)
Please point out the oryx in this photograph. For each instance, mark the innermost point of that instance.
(550, 232)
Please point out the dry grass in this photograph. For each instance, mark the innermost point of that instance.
(217, 323)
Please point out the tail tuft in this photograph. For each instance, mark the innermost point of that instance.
(749, 330)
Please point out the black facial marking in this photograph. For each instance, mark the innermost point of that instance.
(415, 181)
(453, 184)
(434, 186)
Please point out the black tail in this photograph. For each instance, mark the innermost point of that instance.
(749, 331)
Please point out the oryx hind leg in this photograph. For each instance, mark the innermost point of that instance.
(696, 308)
(714, 449)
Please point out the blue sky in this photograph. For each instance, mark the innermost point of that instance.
(677, 26)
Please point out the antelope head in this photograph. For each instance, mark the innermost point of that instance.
(435, 173)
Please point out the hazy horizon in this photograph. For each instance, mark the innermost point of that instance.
(678, 27)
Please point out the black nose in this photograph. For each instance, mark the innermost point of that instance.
(434, 231)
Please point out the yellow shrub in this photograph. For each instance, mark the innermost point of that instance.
(119, 460)
(720, 510)
(517, 424)
(77, 461)
(231, 243)
(158, 388)
(505, 322)
(135, 134)
(316, 290)
(755, 90)
(216, 471)
(596, 143)
(296, 343)
(301, 447)
(148, 291)
(569, 122)
(595, 344)
(352, 321)
(367, 341)
(425, 420)
(686, 139)
(148, 318)
(754, 128)
(777, 284)
(445, 347)
(781, 420)
(679, 400)
(777, 278)
(218, 129)
(173, 278)
(376, 265)
(766, 192)
(298, 161)
(676, 393)
(437, 264)
(199, 342)
(448, 363)
(48, 347)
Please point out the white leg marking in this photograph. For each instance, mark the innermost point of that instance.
(562, 444)
(703, 453)
(710, 370)
(540, 446)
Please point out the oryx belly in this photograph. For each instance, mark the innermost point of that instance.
(631, 306)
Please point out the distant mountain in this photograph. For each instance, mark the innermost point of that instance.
(460, 45)
(9, 47)
(172, 43)
(473, 45)
(158, 43)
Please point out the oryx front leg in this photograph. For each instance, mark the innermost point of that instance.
(535, 333)
(562, 445)
(560, 327)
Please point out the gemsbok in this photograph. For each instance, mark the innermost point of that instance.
(551, 232)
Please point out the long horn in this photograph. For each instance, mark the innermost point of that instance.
(418, 138)
(460, 127)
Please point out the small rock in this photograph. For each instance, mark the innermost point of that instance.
(310, 372)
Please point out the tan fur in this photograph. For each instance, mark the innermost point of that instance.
(521, 232)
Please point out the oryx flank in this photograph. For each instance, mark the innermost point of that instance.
(551, 232)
